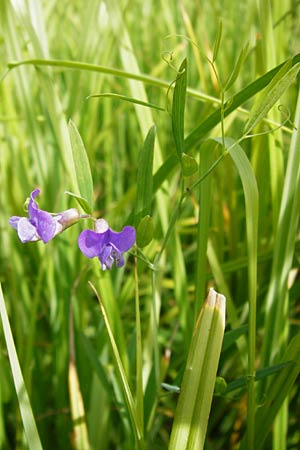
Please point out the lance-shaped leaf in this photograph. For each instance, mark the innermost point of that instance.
(217, 42)
(144, 186)
(194, 403)
(82, 168)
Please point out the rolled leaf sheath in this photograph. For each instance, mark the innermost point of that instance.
(194, 404)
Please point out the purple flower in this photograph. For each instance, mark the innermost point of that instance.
(42, 225)
(106, 244)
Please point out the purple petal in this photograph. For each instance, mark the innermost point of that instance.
(26, 231)
(32, 206)
(91, 243)
(46, 226)
(120, 260)
(13, 221)
(106, 257)
(124, 240)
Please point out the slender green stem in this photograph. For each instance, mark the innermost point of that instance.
(77, 65)
(213, 166)
(222, 119)
(155, 329)
(170, 228)
(139, 353)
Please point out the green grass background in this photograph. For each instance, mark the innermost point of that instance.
(137, 48)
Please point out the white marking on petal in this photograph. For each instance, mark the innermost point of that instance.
(101, 226)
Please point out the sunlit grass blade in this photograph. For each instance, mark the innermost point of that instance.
(131, 408)
(194, 403)
(30, 428)
(80, 434)
(82, 166)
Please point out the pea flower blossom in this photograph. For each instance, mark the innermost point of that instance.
(106, 244)
(41, 225)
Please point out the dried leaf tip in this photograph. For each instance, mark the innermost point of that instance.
(218, 301)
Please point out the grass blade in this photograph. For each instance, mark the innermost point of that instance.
(136, 426)
(82, 166)
(30, 428)
(251, 201)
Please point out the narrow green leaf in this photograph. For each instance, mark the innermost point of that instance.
(217, 42)
(194, 403)
(164, 171)
(281, 81)
(144, 177)
(178, 108)
(81, 201)
(144, 233)
(260, 375)
(234, 74)
(82, 165)
(129, 401)
(127, 99)
(30, 428)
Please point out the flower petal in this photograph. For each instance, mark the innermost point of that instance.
(14, 220)
(124, 240)
(32, 206)
(26, 231)
(91, 243)
(46, 226)
(106, 257)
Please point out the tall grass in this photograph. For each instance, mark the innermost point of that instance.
(195, 142)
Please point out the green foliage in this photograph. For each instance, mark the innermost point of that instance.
(210, 210)
(178, 108)
(82, 167)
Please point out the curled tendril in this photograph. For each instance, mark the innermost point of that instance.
(284, 110)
